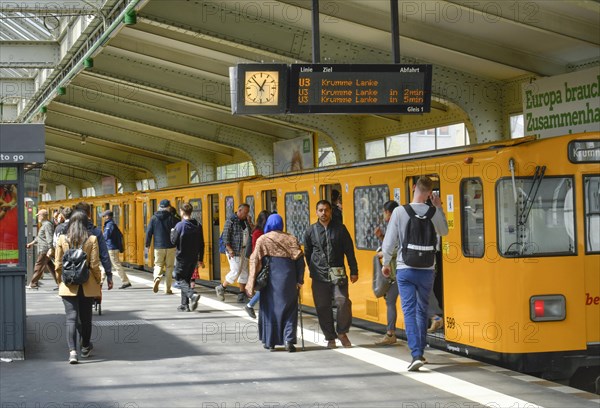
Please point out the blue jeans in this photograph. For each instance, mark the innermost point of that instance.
(414, 286)
(254, 299)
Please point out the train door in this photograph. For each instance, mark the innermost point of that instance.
(333, 193)
(215, 232)
(128, 238)
(149, 209)
(269, 200)
(438, 284)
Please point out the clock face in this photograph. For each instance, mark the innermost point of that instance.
(261, 88)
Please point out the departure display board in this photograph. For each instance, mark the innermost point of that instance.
(360, 88)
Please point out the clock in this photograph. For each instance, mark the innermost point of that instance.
(261, 88)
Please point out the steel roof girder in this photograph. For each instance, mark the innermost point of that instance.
(27, 54)
(123, 173)
(51, 7)
(126, 90)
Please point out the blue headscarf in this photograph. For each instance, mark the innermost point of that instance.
(274, 223)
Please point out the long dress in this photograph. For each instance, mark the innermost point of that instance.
(278, 317)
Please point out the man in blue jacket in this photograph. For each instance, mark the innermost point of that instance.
(160, 227)
(188, 238)
(114, 242)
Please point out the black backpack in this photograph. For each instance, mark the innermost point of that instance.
(75, 266)
(420, 239)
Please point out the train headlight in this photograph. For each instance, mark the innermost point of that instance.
(547, 308)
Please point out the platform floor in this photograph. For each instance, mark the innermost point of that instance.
(147, 354)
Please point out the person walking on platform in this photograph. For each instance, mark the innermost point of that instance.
(95, 231)
(114, 241)
(278, 318)
(78, 299)
(325, 244)
(160, 227)
(391, 297)
(415, 282)
(236, 236)
(257, 232)
(45, 249)
(188, 238)
(61, 228)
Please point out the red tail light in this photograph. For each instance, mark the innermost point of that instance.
(546, 308)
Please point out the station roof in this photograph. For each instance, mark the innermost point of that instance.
(159, 92)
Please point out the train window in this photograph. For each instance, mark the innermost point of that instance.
(297, 214)
(117, 215)
(535, 216)
(471, 204)
(250, 202)
(196, 203)
(591, 193)
(368, 210)
(229, 210)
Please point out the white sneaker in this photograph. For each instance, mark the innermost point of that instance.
(415, 364)
(73, 357)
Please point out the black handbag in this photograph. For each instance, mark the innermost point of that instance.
(263, 276)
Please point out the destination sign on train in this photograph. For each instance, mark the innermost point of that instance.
(360, 88)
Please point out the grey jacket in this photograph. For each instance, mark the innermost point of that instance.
(44, 237)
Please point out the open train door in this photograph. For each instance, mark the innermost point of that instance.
(438, 284)
(215, 232)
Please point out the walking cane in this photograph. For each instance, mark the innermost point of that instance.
(301, 325)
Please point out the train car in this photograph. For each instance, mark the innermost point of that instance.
(519, 276)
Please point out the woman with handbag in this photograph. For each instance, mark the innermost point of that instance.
(79, 299)
(278, 316)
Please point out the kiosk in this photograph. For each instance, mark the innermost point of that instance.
(22, 151)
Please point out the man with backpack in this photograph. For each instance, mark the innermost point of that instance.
(114, 241)
(189, 241)
(412, 231)
(160, 227)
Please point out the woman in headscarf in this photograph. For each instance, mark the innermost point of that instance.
(278, 316)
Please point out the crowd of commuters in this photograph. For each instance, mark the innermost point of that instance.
(179, 253)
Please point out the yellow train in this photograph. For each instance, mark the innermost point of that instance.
(520, 274)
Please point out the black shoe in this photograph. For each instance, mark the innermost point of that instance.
(183, 308)
(270, 348)
(242, 298)
(290, 348)
(125, 285)
(250, 311)
(194, 301)
(416, 363)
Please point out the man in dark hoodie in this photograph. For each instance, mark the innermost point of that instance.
(188, 238)
(160, 227)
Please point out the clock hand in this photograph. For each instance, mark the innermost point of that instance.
(263, 84)
(259, 87)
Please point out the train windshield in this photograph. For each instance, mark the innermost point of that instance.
(540, 221)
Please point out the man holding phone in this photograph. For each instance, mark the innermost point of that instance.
(414, 282)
